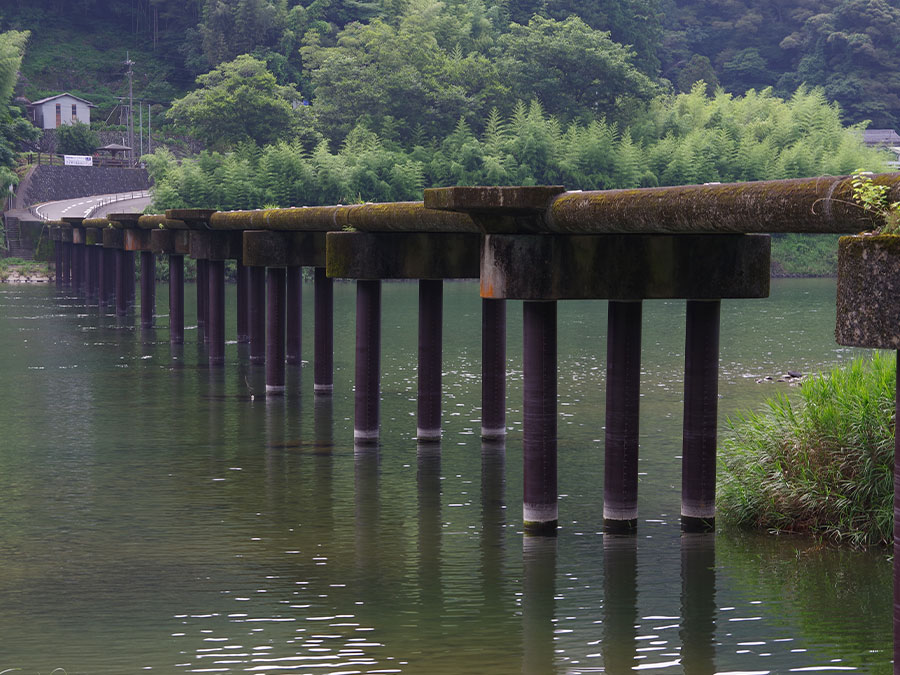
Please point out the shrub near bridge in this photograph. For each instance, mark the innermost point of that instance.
(822, 465)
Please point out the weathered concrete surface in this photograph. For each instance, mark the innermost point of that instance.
(265, 248)
(624, 267)
(113, 238)
(815, 205)
(390, 217)
(868, 292)
(497, 209)
(172, 242)
(207, 245)
(396, 255)
(137, 240)
(157, 221)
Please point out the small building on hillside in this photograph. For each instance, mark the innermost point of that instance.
(53, 111)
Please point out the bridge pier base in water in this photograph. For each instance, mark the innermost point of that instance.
(431, 316)
(243, 324)
(148, 288)
(256, 313)
(493, 369)
(701, 395)
(216, 327)
(202, 299)
(275, 330)
(323, 333)
(367, 396)
(623, 391)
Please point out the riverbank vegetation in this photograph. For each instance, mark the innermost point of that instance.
(822, 465)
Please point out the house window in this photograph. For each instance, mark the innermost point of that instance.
(58, 114)
(74, 113)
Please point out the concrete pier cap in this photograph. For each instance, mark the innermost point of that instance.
(523, 258)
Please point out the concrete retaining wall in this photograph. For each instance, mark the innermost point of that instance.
(49, 183)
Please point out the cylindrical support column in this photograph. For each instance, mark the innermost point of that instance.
(275, 311)
(121, 283)
(540, 509)
(67, 264)
(148, 288)
(897, 527)
(215, 271)
(323, 355)
(203, 299)
(368, 361)
(623, 385)
(78, 268)
(431, 317)
(257, 314)
(130, 277)
(106, 279)
(493, 368)
(58, 263)
(91, 264)
(176, 299)
(294, 316)
(701, 398)
(97, 264)
(243, 324)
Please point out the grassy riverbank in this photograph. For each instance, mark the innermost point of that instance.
(11, 268)
(823, 465)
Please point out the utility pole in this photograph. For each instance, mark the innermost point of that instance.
(130, 73)
(149, 148)
(141, 124)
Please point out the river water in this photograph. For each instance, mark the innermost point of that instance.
(159, 516)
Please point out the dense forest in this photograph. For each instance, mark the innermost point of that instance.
(297, 102)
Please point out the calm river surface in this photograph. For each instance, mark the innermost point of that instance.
(157, 516)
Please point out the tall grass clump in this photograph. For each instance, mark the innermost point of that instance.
(823, 465)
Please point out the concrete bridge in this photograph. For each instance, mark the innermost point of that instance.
(534, 244)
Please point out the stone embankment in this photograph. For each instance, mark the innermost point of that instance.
(50, 183)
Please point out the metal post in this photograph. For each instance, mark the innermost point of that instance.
(67, 264)
(121, 283)
(129, 277)
(243, 330)
(257, 314)
(493, 368)
(701, 371)
(623, 383)
(176, 299)
(275, 311)
(324, 333)
(58, 252)
(431, 316)
(148, 288)
(109, 257)
(91, 280)
(368, 361)
(540, 509)
(203, 299)
(294, 318)
(105, 281)
(215, 271)
(77, 268)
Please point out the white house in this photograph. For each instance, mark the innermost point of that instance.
(50, 112)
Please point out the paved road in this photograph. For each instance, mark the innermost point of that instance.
(81, 206)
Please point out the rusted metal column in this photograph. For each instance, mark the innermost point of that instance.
(275, 310)
(129, 277)
(540, 509)
(176, 299)
(67, 264)
(897, 527)
(243, 324)
(78, 268)
(294, 317)
(215, 271)
(105, 281)
(623, 383)
(493, 368)
(431, 316)
(324, 332)
(121, 283)
(90, 264)
(203, 299)
(701, 397)
(698, 602)
(368, 361)
(256, 306)
(148, 288)
(58, 264)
